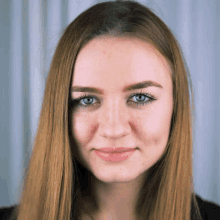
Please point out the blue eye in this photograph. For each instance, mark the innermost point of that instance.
(142, 99)
(86, 101)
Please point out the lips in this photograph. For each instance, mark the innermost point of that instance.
(115, 150)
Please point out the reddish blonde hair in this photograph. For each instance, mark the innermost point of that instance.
(52, 187)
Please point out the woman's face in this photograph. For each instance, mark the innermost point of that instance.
(116, 117)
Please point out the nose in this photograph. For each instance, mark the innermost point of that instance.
(114, 121)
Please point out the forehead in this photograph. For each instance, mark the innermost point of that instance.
(121, 59)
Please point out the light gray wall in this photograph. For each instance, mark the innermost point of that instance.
(4, 102)
(32, 37)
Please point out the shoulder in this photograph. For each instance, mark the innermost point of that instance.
(6, 212)
(208, 209)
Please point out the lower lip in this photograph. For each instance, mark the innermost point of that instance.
(114, 157)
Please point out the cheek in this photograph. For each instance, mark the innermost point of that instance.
(82, 128)
(155, 127)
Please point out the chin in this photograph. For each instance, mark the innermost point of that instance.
(116, 176)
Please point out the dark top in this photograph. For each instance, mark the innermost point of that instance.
(209, 210)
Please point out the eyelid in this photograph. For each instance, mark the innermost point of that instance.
(75, 102)
(128, 96)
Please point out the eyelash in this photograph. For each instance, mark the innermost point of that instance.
(75, 102)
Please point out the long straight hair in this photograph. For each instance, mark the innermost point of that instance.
(54, 181)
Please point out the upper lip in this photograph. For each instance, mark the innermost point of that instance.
(115, 149)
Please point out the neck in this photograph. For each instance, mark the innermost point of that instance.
(112, 200)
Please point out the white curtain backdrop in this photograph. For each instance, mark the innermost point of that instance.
(30, 30)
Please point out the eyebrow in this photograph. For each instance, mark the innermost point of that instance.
(139, 85)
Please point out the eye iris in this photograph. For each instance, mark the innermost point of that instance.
(87, 99)
(141, 96)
